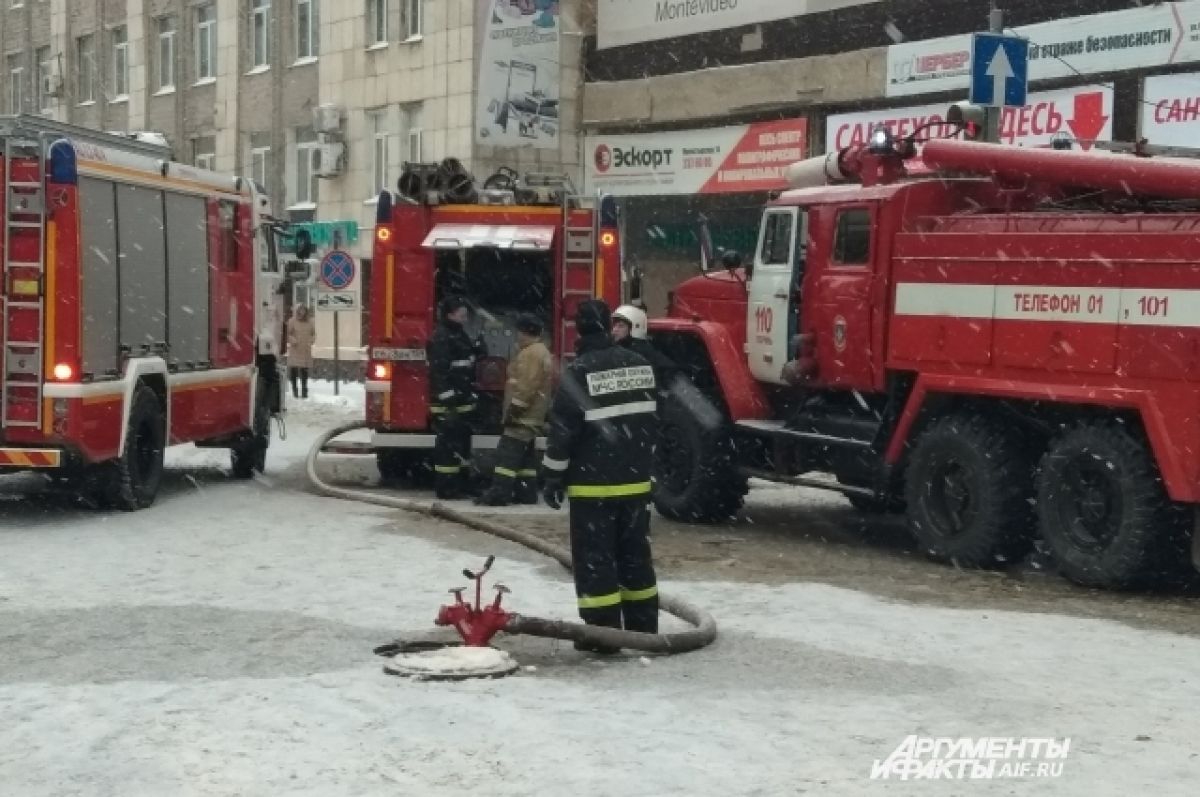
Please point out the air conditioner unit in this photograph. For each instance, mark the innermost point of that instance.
(331, 159)
(52, 84)
(327, 118)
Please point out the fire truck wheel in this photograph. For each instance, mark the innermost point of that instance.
(695, 470)
(1103, 509)
(134, 478)
(969, 490)
(250, 456)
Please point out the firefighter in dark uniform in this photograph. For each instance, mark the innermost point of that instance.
(629, 330)
(452, 357)
(598, 452)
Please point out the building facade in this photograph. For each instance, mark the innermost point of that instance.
(702, 80)
(233, 85)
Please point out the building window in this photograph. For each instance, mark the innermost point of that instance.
(206, 42)
(16, 85)
(414, 12)
(45, 78)
(414, 145)
(377, 18)
(120, 48)
(85, 69)
(260, 32)
(166, 54)
(308, 153)
(307, 28)
(204, 152)
(380, 137)
(260, 159)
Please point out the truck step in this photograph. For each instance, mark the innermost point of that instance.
(803, 481)
(776, 430)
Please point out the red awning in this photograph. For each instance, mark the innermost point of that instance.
(535, 238)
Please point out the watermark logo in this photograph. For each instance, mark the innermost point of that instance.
(985, 758)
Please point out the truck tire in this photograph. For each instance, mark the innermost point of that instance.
(131, 481)
(1103, 510)
(969, 491)
(695, 469)
(249, 456)
(395, 464)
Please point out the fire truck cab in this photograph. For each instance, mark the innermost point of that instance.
(521, 245)
(999, 342)
(140, 309)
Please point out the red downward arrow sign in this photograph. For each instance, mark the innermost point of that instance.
(1089, 119)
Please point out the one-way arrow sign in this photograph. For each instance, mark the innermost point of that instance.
(999, 70)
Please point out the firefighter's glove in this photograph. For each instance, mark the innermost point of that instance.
(553, 492)
(480, 347)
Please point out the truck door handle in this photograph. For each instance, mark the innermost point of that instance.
(781, 296)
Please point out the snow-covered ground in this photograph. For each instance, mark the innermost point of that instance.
(221, 643)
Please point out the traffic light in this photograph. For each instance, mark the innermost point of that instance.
(970, 118)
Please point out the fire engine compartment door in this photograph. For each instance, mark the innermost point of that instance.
(536, 238)
(771, 310)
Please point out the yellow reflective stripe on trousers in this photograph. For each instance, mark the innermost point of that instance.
(639, 594)
(527, 473)
(600, 601)
(607, 490)
(447, 469)
(512, 474)
(439, 410)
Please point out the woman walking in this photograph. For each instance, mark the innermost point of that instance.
(301, 335)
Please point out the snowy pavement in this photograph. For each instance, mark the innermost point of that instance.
(220, 643)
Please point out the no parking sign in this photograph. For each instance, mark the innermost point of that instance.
(337, 270)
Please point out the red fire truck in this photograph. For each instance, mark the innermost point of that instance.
(140, 309)
(1006, 347)
(521, 245)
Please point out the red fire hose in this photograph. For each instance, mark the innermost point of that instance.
(704, 629)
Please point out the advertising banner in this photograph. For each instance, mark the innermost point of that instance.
(1083, 113)
(1153, 35)
(622, 22)
(1171, 110)
(718, 160)
(519, 76)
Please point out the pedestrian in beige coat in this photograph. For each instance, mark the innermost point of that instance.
(301, 336)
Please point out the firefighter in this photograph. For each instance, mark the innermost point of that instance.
(452, 358)
(600, 441)
(526, 400)
(629, 330)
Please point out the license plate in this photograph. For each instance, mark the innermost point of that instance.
(398, 355)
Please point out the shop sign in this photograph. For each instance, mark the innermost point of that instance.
(1083, 113)
(1171, 110)
(1149, 36)
(719, 160)
(621, 22)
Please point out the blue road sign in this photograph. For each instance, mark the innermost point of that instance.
(337, 270)
(999, 70)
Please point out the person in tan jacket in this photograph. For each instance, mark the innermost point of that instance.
(301, 335)
(526, 402)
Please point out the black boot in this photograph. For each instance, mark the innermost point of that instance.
(495, 496)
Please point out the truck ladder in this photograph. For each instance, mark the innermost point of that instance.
(21, 343)
(578, 269)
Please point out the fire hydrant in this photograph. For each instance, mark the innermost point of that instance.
(475, 624)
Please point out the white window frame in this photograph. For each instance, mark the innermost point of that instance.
(120, 62)
(207, 161)
(414, 19)
(16, 88)
(260, 165)
(45, 68)
(166, 42)
(306, 186)
(378, 33)
(381, 146)
(415, 145)
(260, 34)
(85, 69)
(310, 39)
(206, 42)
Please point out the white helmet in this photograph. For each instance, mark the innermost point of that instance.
(634, 317)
